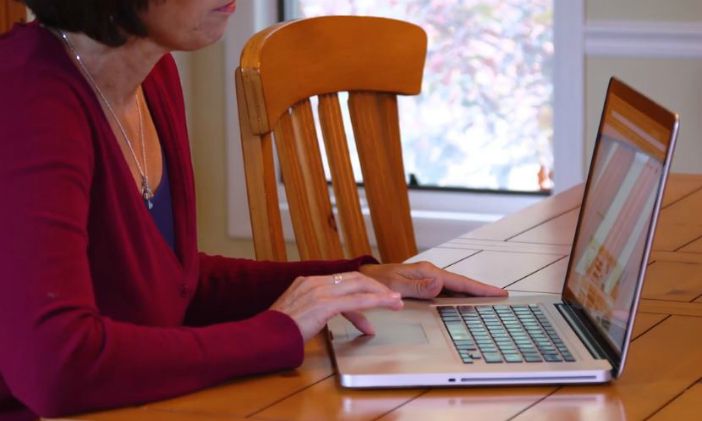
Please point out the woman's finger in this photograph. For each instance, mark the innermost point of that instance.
(360, 322)
(363, 301)
(425, 280)
(351, 283)
(459, 283)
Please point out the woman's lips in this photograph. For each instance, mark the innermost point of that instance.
(227, 8)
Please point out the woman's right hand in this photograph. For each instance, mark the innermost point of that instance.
(312, 300)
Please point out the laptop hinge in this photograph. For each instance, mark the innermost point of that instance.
(583, 333)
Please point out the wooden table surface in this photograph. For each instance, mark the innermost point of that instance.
(662, 379)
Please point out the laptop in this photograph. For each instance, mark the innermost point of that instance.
(581, 336)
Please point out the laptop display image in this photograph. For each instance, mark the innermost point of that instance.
(581, 336)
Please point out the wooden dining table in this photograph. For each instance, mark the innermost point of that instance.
(523, 252)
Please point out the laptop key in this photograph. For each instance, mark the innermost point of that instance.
(511, 334)
(513, 358)
(492, 357)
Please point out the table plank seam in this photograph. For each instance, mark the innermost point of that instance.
(540, 243)
(421, 393)
(281, 399)
(536, 402)
(477, 240)
(670, 301)
(681, 198)
(674, 398)
(688, 243)
(459, 261)
(673, 308)
(542, 222)
(533, 291)
(536, 271)
(208, 414)
(650, 328)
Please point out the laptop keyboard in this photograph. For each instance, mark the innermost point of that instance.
(503, 334)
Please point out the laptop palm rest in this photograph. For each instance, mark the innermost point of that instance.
(389, 335)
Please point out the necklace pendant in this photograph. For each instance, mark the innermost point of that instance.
(146, 192)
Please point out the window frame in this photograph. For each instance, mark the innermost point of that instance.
(437, 215)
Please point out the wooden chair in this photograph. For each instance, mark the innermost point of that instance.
(11, 12)
(373, 59)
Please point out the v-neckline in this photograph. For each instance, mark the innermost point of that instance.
(167, 142)
(174, 168)
(170, 166)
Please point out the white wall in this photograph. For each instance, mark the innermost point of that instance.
(656, 46)
(645, 10)
(216, 156)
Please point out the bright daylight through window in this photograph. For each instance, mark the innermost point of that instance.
(485, 117)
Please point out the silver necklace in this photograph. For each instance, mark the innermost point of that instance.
(146, 191)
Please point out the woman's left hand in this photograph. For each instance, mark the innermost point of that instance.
(425, 280)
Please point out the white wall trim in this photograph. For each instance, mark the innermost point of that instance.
(569, 94)
(250, 17)
(648, 39)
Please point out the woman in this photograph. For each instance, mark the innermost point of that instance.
(106, 300)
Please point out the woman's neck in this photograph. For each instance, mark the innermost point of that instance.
(118, 71)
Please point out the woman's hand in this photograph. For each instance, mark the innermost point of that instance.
(311, 301)
(424, 280)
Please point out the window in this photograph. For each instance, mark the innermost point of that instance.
(484, 118)
(556, 115)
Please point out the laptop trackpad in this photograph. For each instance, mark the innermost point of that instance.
(390, 334)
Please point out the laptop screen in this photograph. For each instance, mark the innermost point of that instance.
(625, 178)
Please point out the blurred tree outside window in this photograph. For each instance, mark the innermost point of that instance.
(484, 120)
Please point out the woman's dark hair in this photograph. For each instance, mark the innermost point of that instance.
(107, 21)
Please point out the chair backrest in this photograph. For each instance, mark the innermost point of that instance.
(11, 12)
(281, 68)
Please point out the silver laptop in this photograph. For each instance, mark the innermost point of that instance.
(581, 336)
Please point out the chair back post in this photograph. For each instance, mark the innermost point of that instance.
(261, 190)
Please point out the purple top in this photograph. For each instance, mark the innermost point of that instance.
(162, 208)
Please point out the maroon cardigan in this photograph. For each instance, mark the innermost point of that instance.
(96, 310)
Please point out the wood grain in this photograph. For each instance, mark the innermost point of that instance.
(527, 219)
(661, 379)
(345, 189)
(281, 68)
(657, 370)
(243, 397)
(11, 12)
(686, 406)
(326, 400)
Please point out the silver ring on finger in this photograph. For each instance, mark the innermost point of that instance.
(337, 279)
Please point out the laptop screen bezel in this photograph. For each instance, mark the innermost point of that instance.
(668, 120)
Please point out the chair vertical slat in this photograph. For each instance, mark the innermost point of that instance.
(292, 61)
(305, 185)
(11, 12)
(345, 189)
(261, 190)
(376, 128)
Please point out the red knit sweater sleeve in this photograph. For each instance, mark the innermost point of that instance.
(231, 289)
